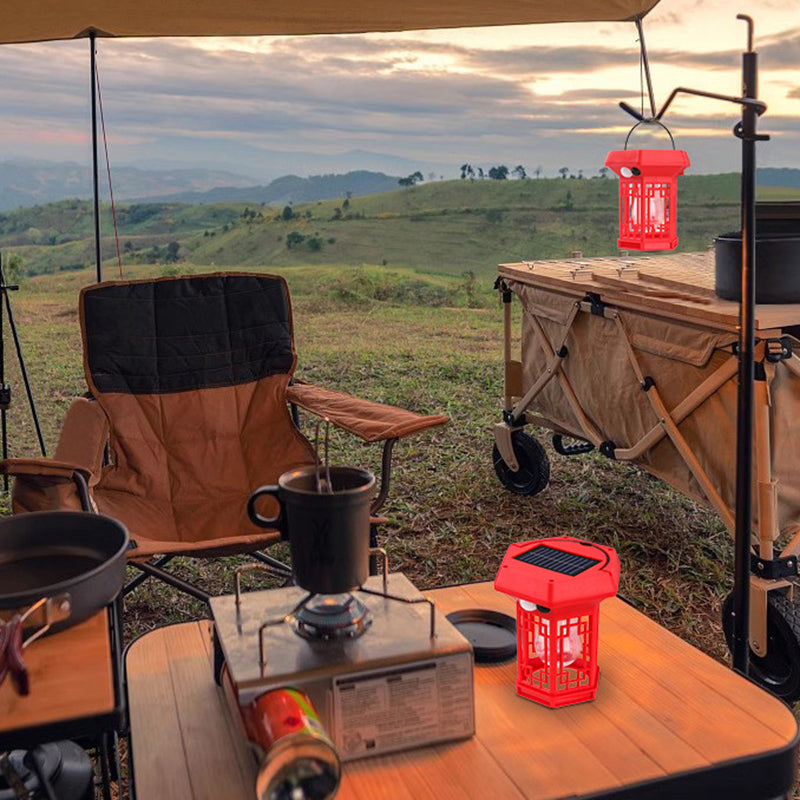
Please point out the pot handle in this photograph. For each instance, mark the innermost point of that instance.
(277, 522)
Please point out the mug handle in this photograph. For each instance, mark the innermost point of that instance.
(266, 522)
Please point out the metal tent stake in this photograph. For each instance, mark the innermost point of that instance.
(745, 130)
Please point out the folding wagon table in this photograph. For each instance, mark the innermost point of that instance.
(668, 722)
(637, 357)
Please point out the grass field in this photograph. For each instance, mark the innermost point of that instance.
(414, 341)
(431, 343)
(448, 227)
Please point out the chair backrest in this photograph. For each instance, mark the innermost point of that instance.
(191, 373)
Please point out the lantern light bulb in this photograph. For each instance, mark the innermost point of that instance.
(571, 644)
(657, 210)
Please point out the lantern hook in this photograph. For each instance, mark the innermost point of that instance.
(759, 105)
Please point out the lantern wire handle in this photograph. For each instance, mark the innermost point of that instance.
(649, 122)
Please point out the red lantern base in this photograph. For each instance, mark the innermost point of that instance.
(637, 244)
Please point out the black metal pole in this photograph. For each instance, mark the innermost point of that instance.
(23, 371)
(746, 131)
(744, 418)
(4, 390)
(95, 170)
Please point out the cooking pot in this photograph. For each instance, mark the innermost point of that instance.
(71, 556)
(777, 266)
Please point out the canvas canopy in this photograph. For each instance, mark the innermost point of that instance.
(44, 20)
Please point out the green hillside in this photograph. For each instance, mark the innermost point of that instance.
(449, 227)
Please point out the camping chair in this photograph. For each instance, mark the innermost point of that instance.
(188, 413)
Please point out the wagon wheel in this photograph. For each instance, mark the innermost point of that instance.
(533, 474)
(779, 670)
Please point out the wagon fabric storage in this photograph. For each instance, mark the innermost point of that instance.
(637, 357)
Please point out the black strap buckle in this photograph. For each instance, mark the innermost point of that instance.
(598, 307)
(778, 349)
(501, 286)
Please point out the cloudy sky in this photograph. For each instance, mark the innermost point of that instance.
(541, 96)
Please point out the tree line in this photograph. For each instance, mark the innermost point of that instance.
(499, 173)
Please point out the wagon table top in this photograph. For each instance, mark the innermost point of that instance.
(668, 721)
(676, 286)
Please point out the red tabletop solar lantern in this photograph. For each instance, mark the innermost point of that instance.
(648, 196)
(558, 584)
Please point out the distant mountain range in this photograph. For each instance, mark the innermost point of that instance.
(28, 183)
(778, 176)
(293, 189)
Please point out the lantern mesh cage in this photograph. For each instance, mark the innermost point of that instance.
(645, 214)
(557, 655)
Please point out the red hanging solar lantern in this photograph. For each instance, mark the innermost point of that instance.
(648, 195)
(558, 584)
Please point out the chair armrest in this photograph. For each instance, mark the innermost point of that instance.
(372, 422)
(44, 484)
(43, 467)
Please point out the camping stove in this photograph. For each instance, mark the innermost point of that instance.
(384, 669)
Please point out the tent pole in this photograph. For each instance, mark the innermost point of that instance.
(95, 172)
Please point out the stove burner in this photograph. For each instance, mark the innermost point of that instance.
(331, 616)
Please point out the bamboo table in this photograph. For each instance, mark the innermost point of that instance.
(74, 690)
(668, 722)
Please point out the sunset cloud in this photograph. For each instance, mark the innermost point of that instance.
(533, 95)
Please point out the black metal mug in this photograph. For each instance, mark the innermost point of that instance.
(328, 531)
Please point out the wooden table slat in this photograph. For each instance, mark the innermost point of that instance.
(718, 679)
(70, 677)
(447, 772)
(540, 751)
(645, 730)
(161, 769)
(208, 759)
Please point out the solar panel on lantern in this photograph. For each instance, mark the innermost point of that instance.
(556, 560)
